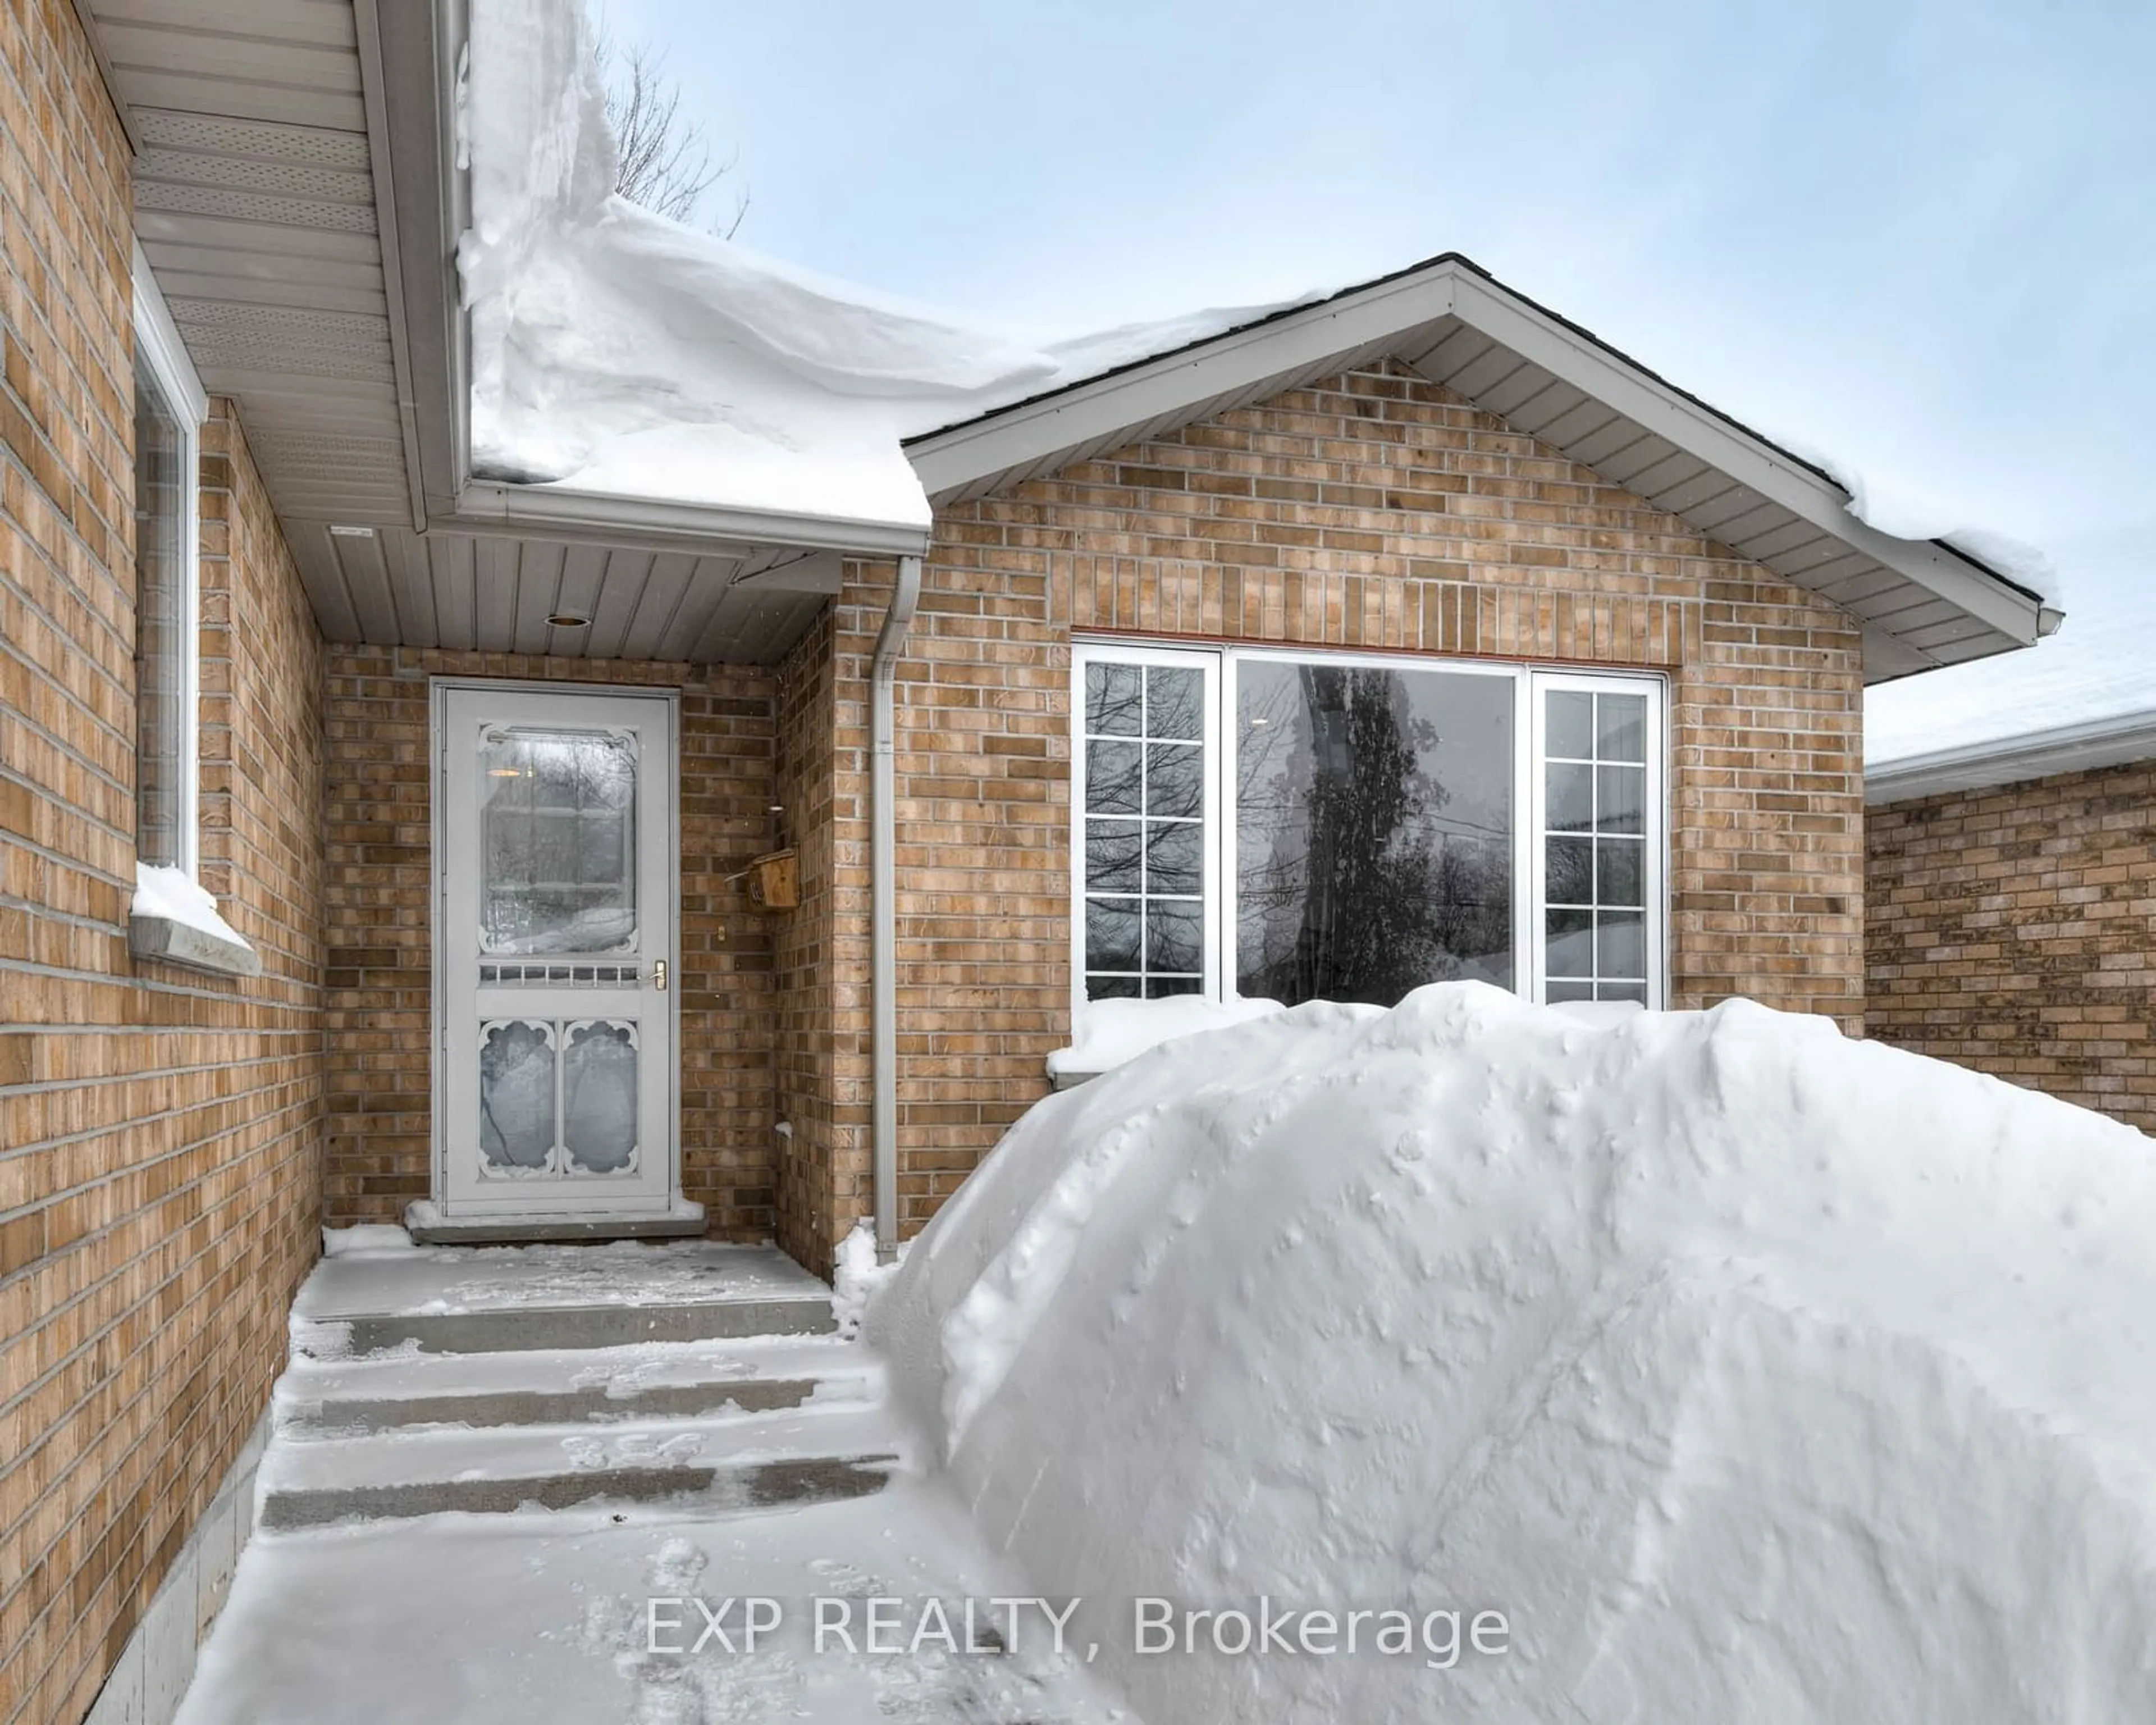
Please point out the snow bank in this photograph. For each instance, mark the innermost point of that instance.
(857, 1278)
(1110, 1032)
(1751, 1373)
(615, 351)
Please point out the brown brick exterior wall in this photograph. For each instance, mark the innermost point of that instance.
(2009, 929)
(1375, 512)
(380, 966)
(820, 959)
(159, 1128)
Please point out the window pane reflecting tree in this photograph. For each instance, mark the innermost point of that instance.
(1373, 830)
(557, 831)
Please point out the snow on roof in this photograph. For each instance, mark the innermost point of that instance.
(2093, 682)
(615, 351)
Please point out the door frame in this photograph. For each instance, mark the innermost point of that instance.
(438, 688)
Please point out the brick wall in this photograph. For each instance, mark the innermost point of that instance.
(819, 957)
(1375, 510)
(380, 967)
(159, 1129)
(2008, 929)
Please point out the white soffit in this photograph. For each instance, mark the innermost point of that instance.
(254, 203)
(473, 592)
(1922, 603)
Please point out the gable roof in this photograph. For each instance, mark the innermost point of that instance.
(1924, 603)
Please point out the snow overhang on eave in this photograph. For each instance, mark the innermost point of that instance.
(2084, 747)
(483, 564)
(1922, 603)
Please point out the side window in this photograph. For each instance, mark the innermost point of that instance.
(1145, 816)
(1601, 838)
(169, 408)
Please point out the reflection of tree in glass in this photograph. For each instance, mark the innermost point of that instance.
(1349, 885)
(556, 841)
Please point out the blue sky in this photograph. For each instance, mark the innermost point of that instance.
(1920, 237)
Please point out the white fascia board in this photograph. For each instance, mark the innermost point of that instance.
(372, 77)
(493, 507)
(949, 460)
(166, 353)
(2082, 746)
(1748, 459)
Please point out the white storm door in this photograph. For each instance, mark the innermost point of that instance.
(556, 873)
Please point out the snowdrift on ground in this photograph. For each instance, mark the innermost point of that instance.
(1753, 1374)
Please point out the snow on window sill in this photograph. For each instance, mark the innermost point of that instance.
(174, 921)
(1110, 1032)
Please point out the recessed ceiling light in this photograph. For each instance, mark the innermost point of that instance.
(338, 530)
(567, 619)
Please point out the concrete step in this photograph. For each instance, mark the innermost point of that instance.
(532, 1407)
(728, 1468)
(479, 1300)
(739, 1490)
(526, 1328)
(690, 1381)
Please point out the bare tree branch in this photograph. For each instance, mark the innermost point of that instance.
(665, 160)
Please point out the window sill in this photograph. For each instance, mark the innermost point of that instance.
(171, 941)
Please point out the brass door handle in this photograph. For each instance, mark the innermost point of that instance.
(659, 976)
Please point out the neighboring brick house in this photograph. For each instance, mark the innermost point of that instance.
(2010, 897)
(1410, 634)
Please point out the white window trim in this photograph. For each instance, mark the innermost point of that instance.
(157, 343)
(1219, 661)
(1656, 891)
(1213, 882)
(169, 919)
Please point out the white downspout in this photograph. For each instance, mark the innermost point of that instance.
(883, 905)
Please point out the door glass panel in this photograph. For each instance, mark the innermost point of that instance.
(1373, 830)
(599, 1096)
(557, 826)
(515, 1095)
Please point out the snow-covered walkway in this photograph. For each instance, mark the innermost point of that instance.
(405, 1569)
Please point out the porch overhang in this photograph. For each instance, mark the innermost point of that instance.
(298, 196)
(1922, 603)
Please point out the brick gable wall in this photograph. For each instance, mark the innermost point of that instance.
(379, 999)
(2009, 929)
(1374, 511)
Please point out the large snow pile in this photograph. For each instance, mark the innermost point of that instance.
(1750, 1373)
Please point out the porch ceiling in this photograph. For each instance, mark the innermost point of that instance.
(270, 208)
(466, 592)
